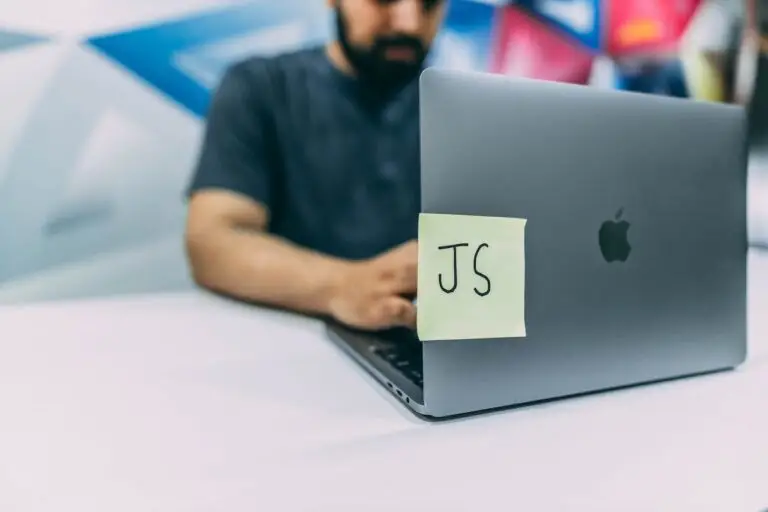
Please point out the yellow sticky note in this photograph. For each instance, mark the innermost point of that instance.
(471, 277)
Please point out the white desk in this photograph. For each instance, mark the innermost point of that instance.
(189, 403)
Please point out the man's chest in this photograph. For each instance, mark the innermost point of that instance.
(331, 153)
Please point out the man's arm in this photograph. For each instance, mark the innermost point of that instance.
(230, 252)
(228, 245)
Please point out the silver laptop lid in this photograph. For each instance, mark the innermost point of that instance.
(569, 158)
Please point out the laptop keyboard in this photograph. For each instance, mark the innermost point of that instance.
(405, 356)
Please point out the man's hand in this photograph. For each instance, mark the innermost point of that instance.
(372, 294)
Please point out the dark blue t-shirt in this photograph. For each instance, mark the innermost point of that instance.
(337, 167)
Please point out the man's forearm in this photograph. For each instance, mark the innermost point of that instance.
(267, 269)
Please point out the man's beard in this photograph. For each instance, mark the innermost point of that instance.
(371, 65)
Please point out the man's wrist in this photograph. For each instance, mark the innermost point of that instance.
(335, 282)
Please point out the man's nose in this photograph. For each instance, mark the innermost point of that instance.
(406, 16)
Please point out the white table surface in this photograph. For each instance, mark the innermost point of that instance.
(190, 403)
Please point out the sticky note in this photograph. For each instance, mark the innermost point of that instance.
(471, 277)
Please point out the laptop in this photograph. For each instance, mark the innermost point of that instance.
(636, 240)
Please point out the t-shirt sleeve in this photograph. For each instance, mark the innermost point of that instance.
(236, 152)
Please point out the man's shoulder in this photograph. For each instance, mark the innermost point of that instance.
(257, 68)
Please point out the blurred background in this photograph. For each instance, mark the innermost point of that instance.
(104, 101)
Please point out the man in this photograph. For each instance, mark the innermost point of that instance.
(306, 194)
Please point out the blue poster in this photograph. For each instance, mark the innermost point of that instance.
(580, 19)
(665, 78)
(185, 58)
(465, 39)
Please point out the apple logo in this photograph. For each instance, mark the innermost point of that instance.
(613, 240)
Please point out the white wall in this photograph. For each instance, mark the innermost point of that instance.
(94, 158)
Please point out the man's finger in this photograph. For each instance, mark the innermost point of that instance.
(406, 279)
(399, 270)
(399, 312)
(405, 271)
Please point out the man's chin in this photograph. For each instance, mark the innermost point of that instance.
(391, 84)
(398, 74)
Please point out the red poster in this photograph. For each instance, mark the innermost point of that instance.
(644, 26)
(528, 48)
(684, 10)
